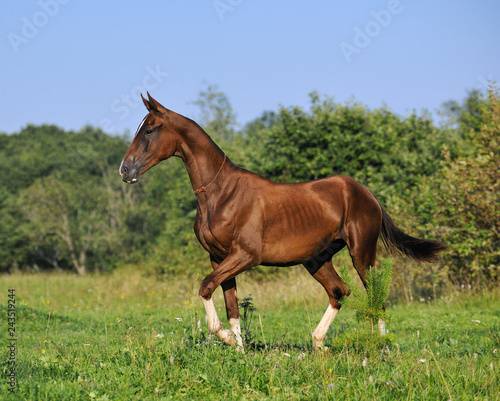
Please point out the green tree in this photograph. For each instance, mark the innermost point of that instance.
(467, 116)
(217, 115)
(459, 204)
(60, 202)
(381, 150)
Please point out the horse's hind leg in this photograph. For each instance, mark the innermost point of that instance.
(363, 253)
(336, 290)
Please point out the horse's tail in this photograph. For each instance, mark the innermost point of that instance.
(394, 238)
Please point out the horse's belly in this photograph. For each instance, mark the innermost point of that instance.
(295, 249)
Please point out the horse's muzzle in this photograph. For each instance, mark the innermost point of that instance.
(128, 172)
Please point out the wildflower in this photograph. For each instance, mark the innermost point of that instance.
(476, 321)
(365, 362)
(422, 360)
(288, 355)
(388, 383)
(160, 335)
(103, 345)
(370, 379)
(491, 366)
(179, 319)
(86, 345)
(301, 356)
(330, 385)
(251, 353)
(157, 390)
(495, 351)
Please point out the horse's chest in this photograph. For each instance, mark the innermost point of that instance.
(212, 238)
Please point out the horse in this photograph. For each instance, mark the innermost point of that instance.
(244, 220)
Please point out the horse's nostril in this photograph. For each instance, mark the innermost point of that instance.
(124, 170)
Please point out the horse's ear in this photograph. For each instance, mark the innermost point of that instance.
(146, 103)
(155, 105)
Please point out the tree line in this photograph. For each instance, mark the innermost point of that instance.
(64, 207)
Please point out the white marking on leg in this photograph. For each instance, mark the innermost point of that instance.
(318, 336)
(381, 327)
(215, 325)
(234, 325)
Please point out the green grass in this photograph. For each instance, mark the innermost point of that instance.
(118, 337)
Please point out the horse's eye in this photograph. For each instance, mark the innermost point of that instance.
(149, 131)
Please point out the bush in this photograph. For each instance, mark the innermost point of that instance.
(459, 204)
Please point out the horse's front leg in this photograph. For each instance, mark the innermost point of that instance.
(224, 274)
(232, 310)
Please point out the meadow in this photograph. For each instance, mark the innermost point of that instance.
(126, 336)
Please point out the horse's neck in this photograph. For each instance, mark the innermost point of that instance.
(202, 157)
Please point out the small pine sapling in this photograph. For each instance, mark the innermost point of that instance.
(248, 309)
(369, 304)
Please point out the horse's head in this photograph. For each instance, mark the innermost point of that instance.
(156, 139)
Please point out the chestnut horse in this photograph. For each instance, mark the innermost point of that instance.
(244, 220)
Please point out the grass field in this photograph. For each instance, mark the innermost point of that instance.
(127, 337)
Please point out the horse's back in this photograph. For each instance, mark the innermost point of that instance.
(297, 220)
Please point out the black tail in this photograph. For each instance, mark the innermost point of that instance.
(423, 250)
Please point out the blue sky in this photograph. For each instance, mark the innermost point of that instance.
(72, 63)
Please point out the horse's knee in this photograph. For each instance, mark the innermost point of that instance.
(206, 289)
